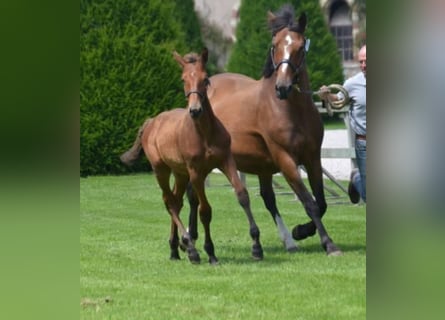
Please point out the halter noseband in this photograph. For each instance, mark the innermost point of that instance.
(187, 94)
(200, 94)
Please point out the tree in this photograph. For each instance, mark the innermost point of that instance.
(254, 39)
(128, 73)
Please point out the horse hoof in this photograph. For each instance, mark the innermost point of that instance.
(194, 257)
(292, 249)
(257, 252)
(336, 253)
(213, 261)
(174, 253)
(175, 257)
(301, 232)
(333, 251)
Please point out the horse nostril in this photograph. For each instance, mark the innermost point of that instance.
(194, 113)
(282, 92)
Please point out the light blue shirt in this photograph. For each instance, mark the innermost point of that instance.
(356, 87)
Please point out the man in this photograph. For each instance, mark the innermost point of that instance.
(356, 88)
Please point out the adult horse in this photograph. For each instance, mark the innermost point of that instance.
(191, 143)
(275, 126)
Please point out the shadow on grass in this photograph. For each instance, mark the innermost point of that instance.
(273, 254)
(316, 248)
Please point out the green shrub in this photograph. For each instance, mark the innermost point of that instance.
(254, 40)
(128, 73)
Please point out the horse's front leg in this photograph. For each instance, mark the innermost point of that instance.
(292, 175)
(268, 195)
(187, 242)
(193, 214)
(315, 176)
(229, 169)
(205, 215)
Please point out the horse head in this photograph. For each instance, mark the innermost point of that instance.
(287, 54)
(195, 80)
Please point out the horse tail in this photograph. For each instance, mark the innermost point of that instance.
(134, 153)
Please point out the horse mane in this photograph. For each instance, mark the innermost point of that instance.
(268, 69)
(284, 18)
(192, 57)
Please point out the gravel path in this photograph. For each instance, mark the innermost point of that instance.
(339, 168)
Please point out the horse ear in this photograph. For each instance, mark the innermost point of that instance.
(270, 17)
(178, 58)
(204, 55)
(302, 20)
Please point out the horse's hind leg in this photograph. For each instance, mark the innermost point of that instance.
(178, 192)
(315, 176)
(243, 199)
(268, 195)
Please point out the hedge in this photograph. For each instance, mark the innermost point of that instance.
(128, 73)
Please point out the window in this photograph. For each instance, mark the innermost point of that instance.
(343, 34)
(341, 28)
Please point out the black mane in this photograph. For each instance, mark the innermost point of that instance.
(192, 57)
(284, 18)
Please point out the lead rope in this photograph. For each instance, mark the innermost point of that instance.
(330, 104)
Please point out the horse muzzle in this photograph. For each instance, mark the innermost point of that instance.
(195, 112)
(282, 92)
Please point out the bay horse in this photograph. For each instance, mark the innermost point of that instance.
(190, 143)
(275, 126)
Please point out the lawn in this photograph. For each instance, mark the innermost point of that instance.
(125, 271)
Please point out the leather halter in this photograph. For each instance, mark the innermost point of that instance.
(296, 69)
(200, 94)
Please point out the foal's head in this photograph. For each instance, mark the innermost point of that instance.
(287, 53)
(195, 80)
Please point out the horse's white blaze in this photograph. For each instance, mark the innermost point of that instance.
(284, 234)
(286, 52)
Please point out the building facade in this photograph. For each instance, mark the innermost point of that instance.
(347, 21)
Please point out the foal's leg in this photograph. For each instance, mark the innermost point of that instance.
(205, 213)
(229, 169)
(174, 241)
(174, 206)
(268, 195)
(315, 176)
(179, 188)
(178, 192)
(292, 175)
(193, 215)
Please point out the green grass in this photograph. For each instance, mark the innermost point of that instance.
(125, 271)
